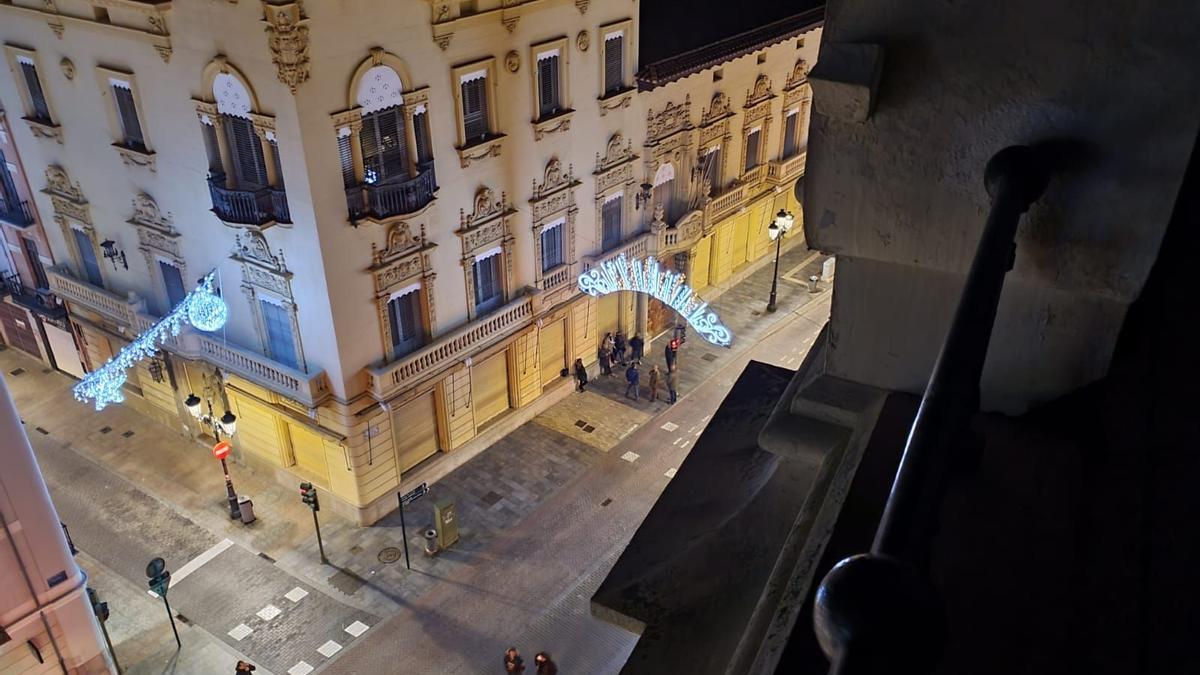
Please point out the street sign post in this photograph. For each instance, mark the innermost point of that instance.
(160, 582)
(408, 498)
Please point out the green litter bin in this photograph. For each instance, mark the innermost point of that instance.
(446, 517)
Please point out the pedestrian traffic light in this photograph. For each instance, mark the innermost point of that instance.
(308, 495)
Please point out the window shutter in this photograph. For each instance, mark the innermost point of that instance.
(247, 151)
(174, 283)
(614, 64)
(475, 109)
(421, 133)
(393, 143)
(278, 164)
(37, 97)
(789, 134)
(280, 344)
(213, 149)
(87, 256)
(552, 248)
(611, 215)
(127, 112)
(347, 159)
(548, 85)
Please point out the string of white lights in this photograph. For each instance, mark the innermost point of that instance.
(202, 308)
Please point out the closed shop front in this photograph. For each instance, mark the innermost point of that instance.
(257, 428)
(741, 234)
(701, 258)
(414, 432)
(552, 351)
(96, 346)
(489, 384)
(20, 329)
(308, 449)
(62, 346)
(607, 313)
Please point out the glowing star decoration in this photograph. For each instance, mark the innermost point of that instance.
(202, 308)
(644, 276)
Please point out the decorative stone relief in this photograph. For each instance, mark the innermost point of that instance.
(287, 37)
(486, 206)
(486, 226)
(550, 196)
(58, 184)
(671, 119)
(252, 251)
(798, 76)
(553, 178)
(52, 132)
(583, 41)
(555, 124)
(147, 214)
(582, 5)
(512, 61)
(718, 108)
(68, 68)
(760, 93)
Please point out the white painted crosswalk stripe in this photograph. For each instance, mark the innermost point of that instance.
(269, 612)
(669, 426)
(195, 564)
(296, 594)
(240, 632)
(301, 668)
(630, 457)
(329, 649)
(670, 473)
(357, 628)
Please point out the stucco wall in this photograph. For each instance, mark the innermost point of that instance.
(902, 195)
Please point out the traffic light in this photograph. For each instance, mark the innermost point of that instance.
(308, 495)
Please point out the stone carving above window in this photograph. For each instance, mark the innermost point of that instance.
(58, 184)
(670, 120)
(287, 37)
(760, 93)
(486, 208)
(146, 214)
(260, 265)
(400, 242)
(718, 109)
(798, 76)
(554, 179)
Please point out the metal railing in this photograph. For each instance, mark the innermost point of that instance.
(878, 612)
(389, 377)
(556, 277)
(16, 212)
(257, 206)
(392, 198)
(636, 247)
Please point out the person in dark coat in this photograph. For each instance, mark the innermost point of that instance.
(513, 663)
(672, 382)
(580, 375)
(637, 345)
(653, 383)
(604, 353)
(545, 666)
(632, 377)
(244, 667)
(619, 347)
(669, 352)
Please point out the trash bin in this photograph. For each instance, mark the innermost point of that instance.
(813, 282)
(431, 545)
(246, 506)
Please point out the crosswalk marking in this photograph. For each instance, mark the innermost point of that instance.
(240, 632)
(670, 473)
(357, 628)
(669, 426)
(630, 457)
(296, 594)
(269, 612)
(195, 564)
(329, 649)
(301, 668)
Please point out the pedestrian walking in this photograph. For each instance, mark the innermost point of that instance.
(244, 667)
(580, 375)
(637, 345)
(620, 347)
(605, 357)
(545, 665)
(653, 383)
(632, 377)
(669, 352)
(513, 663)
(672, 382)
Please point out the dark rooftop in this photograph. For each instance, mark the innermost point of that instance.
(678, 39)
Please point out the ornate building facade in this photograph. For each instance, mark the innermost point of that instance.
(397, 202)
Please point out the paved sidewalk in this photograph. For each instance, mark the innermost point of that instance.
(531, 549)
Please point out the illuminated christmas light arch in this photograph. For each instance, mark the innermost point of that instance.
(201, 308)
(644, 276)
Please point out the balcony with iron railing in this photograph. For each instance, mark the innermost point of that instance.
(39, 300)
(308, 388)
(257, 206)
(385, 199)
(16, 212)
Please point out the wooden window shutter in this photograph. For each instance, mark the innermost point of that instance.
(789, 134)
(213, 149)
(346, 156)
(475, 109)
(37, 97)
(548, 85)
(614, 64)
(127, 112)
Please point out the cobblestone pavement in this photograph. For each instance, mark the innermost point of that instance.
(544, 514)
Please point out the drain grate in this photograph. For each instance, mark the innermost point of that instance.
(389, 555)
(580, 423)
(128, 434)
(183, 619)
(589, 429)
(266, 557)
(18, 371)
(42, 431)
(606, 502)
(105, 430)
(709, 357)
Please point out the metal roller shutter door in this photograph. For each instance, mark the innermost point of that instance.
(414, 432)
(606, 314)
(308, 449)
(489, 382)
(552, 351)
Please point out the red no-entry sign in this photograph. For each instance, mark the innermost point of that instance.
(221, 450)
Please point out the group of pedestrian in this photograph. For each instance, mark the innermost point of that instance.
(513, 663)
(612, 352)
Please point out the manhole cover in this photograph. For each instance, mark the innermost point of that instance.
(389, 555)
(709, 357)
(580, 423)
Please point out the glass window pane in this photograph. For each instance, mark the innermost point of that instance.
(752, 142)
(611, 215)
(552, 248)
(127, 113)
(87, 258)
(280, 345)
(174, 283)
(789, 135)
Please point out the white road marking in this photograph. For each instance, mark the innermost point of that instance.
(630, 457)
(269, 612)
(705, 418)
(296, 594)
(329, 649)
(357, 628)
(301, 668)
(240, 632)
(629, 430)
(195, 564)
(691, 430)
(669, 426)
(677, 440)
(670, 473)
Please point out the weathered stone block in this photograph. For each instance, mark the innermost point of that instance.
(846, 79)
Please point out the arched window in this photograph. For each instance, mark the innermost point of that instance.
(384, 142)
(245, 171)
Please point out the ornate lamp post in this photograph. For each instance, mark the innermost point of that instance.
(226, 424)
(776, 230)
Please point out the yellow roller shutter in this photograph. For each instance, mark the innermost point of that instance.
(699, 271)
(606, 314)
(257, 428)
(489, 385)
(414, 431)
(552, 351)
(741, 233)
(308, 448)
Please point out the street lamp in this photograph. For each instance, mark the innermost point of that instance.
(776, 230)
(226, 424)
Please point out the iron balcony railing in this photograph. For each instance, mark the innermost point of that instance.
(40, 300)
(257, 206)
(878, 612)
(16, 212)
(392, 197)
